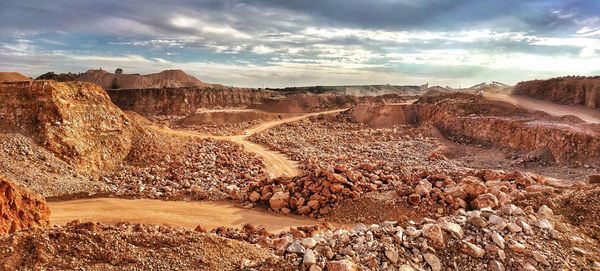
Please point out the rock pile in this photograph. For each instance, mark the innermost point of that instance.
(316, 193)
(329, 141)
(475, 190)
(90, 246)
(502, 238)
(20, 208)
(199, 169)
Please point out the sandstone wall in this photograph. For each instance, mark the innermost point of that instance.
(76, 121)
(20, 208)
(184, 101)
(567, 90)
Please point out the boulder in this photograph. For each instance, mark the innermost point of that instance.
(279, 200)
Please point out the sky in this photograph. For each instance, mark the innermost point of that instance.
(279, 43)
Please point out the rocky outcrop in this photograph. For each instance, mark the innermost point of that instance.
(472, 119)
(107, 80)
(20, 208)
(565, 90)
(184, 101)
(76, 121)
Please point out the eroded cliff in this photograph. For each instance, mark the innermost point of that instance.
(565, 90)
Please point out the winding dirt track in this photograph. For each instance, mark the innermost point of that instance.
(584, 113)
(191, 214)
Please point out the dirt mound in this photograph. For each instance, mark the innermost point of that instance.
(13, 76)
(107, 80)
(565, 90)
(20, 208)
(128, 247)
(184, 101)
(76, 121)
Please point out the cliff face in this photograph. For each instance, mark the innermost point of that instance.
(184, 101)
(472, 119)
(20, 208)
(107, 80)
(567, 90)
(76, 121)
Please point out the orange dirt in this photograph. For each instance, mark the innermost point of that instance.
(175, 213)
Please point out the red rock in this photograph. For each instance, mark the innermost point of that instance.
(343, 265)
(435, 235)
(484, 200)
(473, 186)
(279, 200)
(20, 208)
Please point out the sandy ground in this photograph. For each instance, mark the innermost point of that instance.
(176, 213)
(584, 113)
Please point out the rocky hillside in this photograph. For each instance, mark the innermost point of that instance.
(75, 121)
(107, 80)
(565, 90)
(12, 76)
(20, 208)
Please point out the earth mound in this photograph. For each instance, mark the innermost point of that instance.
(20, 208)
(75, 121)
(107, 80)
(576, 90)
(12, 76)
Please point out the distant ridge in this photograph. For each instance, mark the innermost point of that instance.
(118, 80)
(13, 76)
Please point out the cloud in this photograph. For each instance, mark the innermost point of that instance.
(278, 43)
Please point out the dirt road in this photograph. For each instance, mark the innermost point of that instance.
(277, 164)
(176, 213)
(586, 114)
(191, 214)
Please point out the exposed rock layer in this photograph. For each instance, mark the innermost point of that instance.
(565, 90)
(184, 101)
(20, 208)
(76, 121)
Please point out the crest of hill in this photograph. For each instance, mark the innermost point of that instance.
(12, 76)
(107, 80)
